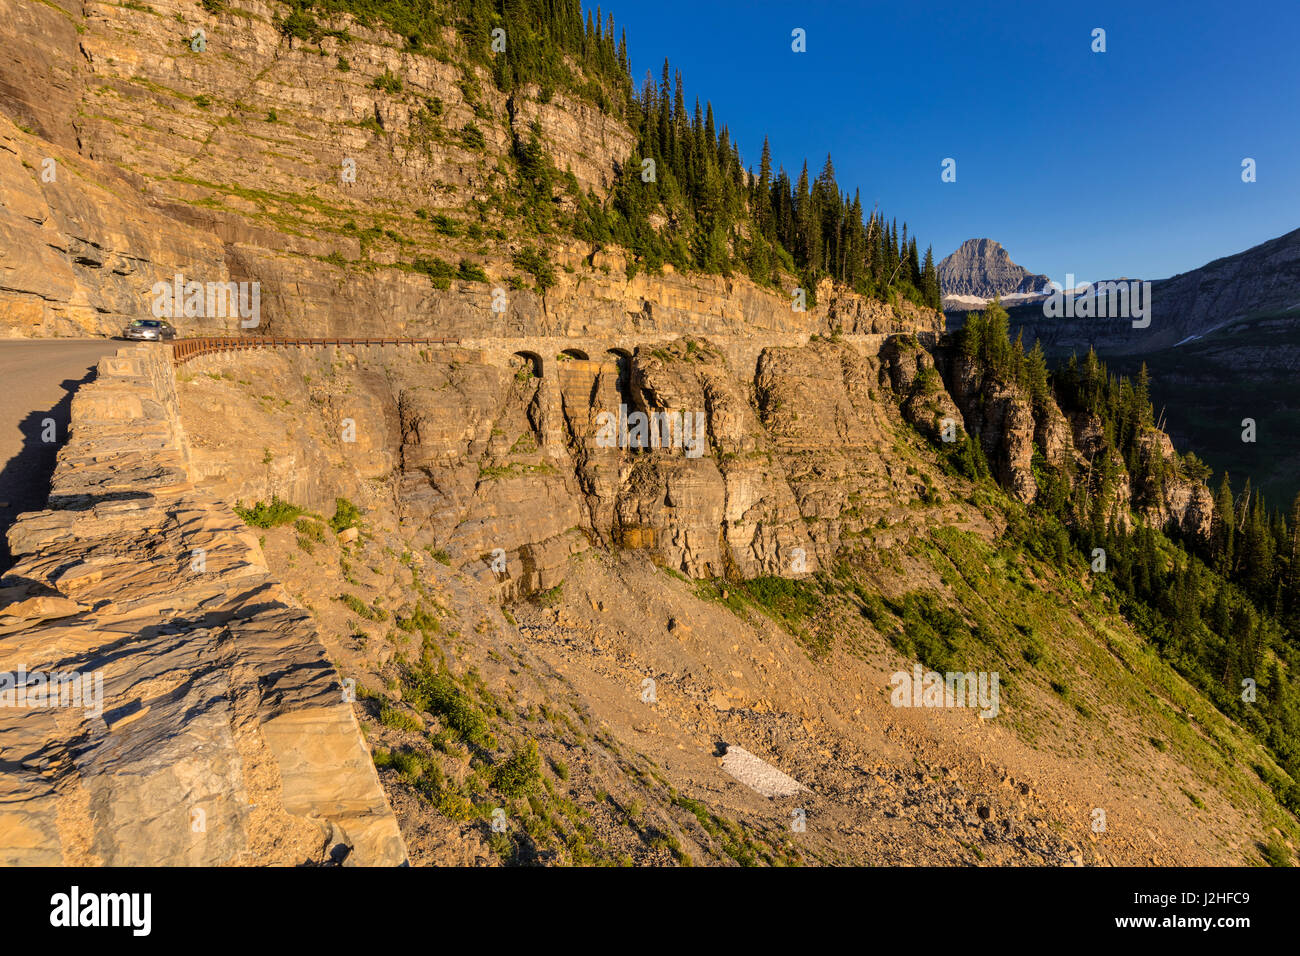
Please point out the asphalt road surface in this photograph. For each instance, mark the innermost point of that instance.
(37, 380)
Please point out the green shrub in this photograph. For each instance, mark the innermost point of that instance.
(520, 773)
(537, 264)
(788, 601)
(398, 719)
(549, 597)
(445, 224)
(436, 693)
(419, 620)
(361, 609)
(387, 82)
(299, 25)
(346, 515)
(472, 136)
(439, 270)
(1276, 852)
(263, 515)
(930, 632)
(310, 534)
(471, 271)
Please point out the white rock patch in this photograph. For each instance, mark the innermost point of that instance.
(759, 775)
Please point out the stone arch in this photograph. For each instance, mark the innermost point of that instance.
(622, 360)
(530, 360)
(578, 354)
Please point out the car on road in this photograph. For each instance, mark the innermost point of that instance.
(149, 330)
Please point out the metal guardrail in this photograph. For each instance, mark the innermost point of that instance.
(185, 349)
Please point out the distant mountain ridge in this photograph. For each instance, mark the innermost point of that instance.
(982, 269)
(1263, 280)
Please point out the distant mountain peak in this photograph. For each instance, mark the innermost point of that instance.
(981, 268)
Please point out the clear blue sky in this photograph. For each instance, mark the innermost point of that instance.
(1123, 163)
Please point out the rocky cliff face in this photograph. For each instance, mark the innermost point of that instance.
(811, 470)
(511, 473)
(520, 556)
(982, 268)
(485, 459)
(195, 719)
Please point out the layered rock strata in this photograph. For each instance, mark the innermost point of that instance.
(197, 720)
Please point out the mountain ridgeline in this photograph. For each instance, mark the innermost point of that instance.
(1258, 283)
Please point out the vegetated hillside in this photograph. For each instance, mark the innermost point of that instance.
(1222, 347)
(1213, 585)
(1212, 360)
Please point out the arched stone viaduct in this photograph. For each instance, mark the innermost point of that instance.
(546, 354)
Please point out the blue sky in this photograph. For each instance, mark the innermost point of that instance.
(1123, 163)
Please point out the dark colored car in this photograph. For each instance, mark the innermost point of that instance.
(149, 330)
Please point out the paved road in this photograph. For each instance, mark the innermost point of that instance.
(37, 379)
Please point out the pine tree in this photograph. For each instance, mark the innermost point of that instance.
(1036, 376)
(930, 280)
(1293, 572)
(764, 190)
(1142, 396)
(1222, 531)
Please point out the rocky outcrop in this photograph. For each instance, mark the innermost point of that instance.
(832, 424)
(1172, 498)
(510, 474)
(1054, 437)
(207, 727)
(1011, 429)
(915, 380)
(1007, 429)
(1001, 418)
(719, 504)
